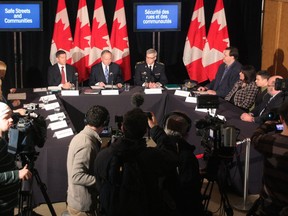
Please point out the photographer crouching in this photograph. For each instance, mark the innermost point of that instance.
(10, 176)
(274, 147)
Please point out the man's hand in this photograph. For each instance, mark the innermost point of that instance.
(24, 173)
(67, 85)
(102, 84)
(201, 88)
(21, 111)
(119, 85)
(211, 92)
(247, 117)
(153, 121)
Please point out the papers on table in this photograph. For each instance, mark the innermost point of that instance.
(153, 91)
(70, 92)
(54, 88)
(182, 93)
(63, 133)
(57, 125)
(92, 91)
(39, 89)
(51, 97)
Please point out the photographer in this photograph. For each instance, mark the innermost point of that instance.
(128, 171)
(10, 176)
(274, 147)
(186, 182)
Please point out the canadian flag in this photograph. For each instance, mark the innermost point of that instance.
(82, 38)
(62, 37)
(119, 40)
(99, 37)
(217, 41)
(195, 40)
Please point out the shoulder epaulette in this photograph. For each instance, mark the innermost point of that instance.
(161, 63)
(140, 62)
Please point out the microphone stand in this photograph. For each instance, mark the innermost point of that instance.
(76, 81)
(112, 79)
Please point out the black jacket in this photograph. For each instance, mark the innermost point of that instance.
(143, 73)
(54, 75)
(153, 163)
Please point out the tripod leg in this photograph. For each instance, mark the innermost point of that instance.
(44, 192)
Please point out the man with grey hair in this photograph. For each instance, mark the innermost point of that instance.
(150, 73)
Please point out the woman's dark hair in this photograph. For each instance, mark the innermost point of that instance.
(249, 73)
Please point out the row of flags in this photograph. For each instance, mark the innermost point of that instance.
(84, 50)
(202, 55)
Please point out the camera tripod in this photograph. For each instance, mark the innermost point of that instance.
(216, 172)
(27, 196)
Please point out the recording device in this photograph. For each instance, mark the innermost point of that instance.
(76, 81)
(217, 138)
(279, 128)
(281, 84)
(112, 79)
(27, 132)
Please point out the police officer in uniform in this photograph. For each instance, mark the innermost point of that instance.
(150, 73)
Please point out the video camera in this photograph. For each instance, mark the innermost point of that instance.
(218, 139)
(281, 84)
(27, 132)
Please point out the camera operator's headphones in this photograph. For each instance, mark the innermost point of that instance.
(181, 114)
(95, 121)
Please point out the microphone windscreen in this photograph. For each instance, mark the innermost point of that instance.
(76, 74)
(137, 99)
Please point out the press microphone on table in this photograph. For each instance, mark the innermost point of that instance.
(137, 99)
(76, 81)
(111, 77)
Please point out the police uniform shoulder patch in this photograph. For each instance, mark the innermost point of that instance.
(161, 63)
(140, 62)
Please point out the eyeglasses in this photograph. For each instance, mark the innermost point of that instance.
(150, 57)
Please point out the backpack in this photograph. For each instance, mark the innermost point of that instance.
(123, 190)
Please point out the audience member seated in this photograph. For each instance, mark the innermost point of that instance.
(262, 82)
(245, 90)
(273, 199)
(186, 181)
(226, 76)
(14, 104)
(129, 171)
(260, 113)
(106, 72)
(61, 74)
(150, 73)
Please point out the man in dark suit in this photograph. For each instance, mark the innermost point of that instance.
(61, 74)
(149, 72)
(227, 74)
(260, 113)
(106, 71)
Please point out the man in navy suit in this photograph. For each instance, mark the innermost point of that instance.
(106, 71)
(150, 72)
(227, 74)
(61, 74)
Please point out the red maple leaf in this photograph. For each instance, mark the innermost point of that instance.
(62, 37)
(119, 38)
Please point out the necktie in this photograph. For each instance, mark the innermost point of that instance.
(63, 80)
(150, 67)
(224, 73)
(106, 73)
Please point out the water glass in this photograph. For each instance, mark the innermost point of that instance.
(126, 86)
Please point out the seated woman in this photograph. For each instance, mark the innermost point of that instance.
(245, 89)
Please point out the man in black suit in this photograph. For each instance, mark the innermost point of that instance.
(106, 71)
(227, 74)
(260, 113)
(61, 74)
(149, 72)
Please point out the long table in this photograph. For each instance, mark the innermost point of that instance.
(51, 162)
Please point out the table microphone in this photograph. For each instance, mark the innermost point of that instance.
(76, 81)
(111, 77)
